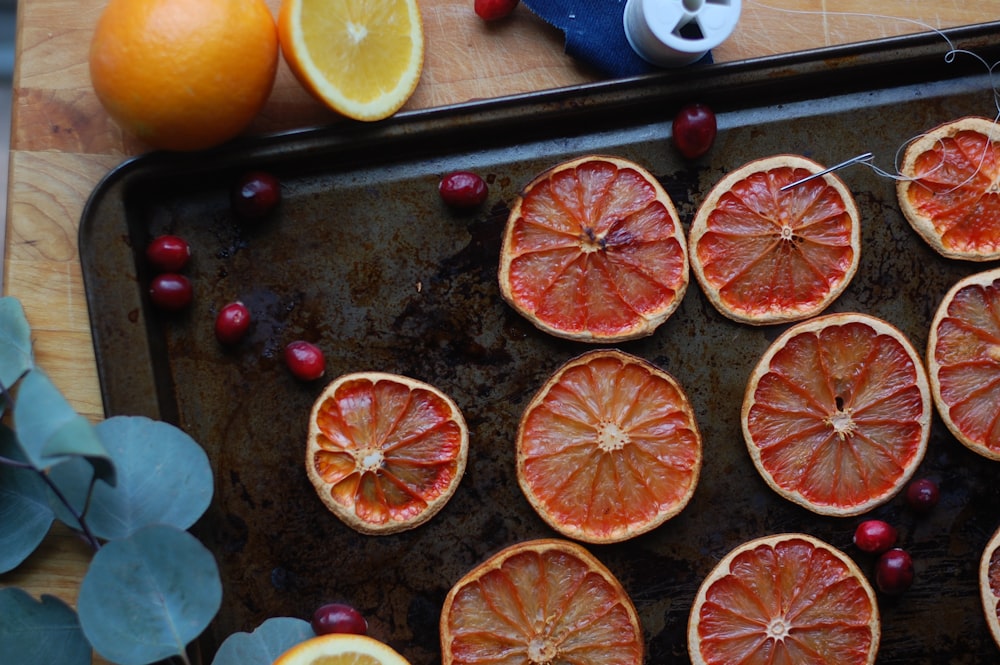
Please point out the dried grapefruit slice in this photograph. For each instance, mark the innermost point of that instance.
(950, 193)
(341, 649)
(762, 255)
(385, 452)
(963, 361)
(989, 584)
(594, 251)
(540, 601)
(837, 413)
(788, 598)
(608, 448)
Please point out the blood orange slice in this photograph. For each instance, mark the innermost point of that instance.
(762, 255)
(788, 598)
(385, 452)
(594, 251)
(963, 362)
(951, 191)
(989, 584)
(609, 448)
(837, 413)
(540, 601)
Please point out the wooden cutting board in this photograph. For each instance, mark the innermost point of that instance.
(62, 144)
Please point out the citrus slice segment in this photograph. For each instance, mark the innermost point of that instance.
(762, 255)
(788, 598)
(950, 193)
(385, 452)
(608, 448)
(362, 58)
(540, 601)
(594, 251)
(989, 584)
(837, 413)
(963, 361)
(341, 649)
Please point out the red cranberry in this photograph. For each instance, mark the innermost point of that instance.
(894, 571)
(491, 10)
(232, 323)
(305, 360)
(874, 536)
(694, 130)
(255, 195)
(922, 495)
(170, 291)
(463, 189)
(168, 253)
(338, 618)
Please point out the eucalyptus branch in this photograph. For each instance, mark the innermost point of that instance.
(84, 528)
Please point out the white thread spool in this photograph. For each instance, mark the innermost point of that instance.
(674, 33)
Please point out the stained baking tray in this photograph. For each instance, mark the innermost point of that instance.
(363, 259)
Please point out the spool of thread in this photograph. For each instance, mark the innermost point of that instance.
(674, 33)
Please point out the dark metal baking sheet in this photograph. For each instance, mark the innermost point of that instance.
(363, 259)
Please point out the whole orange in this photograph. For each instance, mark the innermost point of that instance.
(184, 74)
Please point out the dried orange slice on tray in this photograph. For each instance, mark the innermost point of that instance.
(950, 191)
(762, 255)
(594, 251)
(540, 601)
(989, 584)
(341, 649)
(837, 413)
(788, 598)
(385, 452)
(963, 361)
(608, 448)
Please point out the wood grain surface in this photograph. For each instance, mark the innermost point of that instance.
(62, 143)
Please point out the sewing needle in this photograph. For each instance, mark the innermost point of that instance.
(866, 157)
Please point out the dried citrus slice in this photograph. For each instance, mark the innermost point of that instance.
(341, 649)
(362, 58)
(788, 598)
(762, 255)
(385, 452)
(608, 448)
(837, 413)
(950, 193)
(989, 584)
(963, 362)
(540, 601)
(594, 251)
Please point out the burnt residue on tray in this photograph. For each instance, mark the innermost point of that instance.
(363, 259)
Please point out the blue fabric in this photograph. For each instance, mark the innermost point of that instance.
(595, 34)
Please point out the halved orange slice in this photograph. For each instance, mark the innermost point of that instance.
(837, 413)
(762, 255)
(540, 601)
(963, 361)
(341, 649)
(788, 598)
(385, 452)
(950, 193)
(989, 584)
(594, 251)
(608, 448)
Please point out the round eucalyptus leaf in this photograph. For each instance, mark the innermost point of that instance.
(15, 342)
(263, 646)
(25, 515)
(163, 477)
(146, 597)
(40, 632)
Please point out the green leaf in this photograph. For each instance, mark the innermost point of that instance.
(25, 515)
(263, 646)
(163, 477)
(15, 342)
(51, 432)
(40, 632)
(145, 597)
